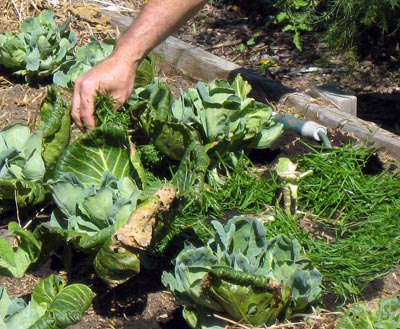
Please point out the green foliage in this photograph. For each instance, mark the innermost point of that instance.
(385, 316)
(86, 210)
(219, 115)
(107, 115)
(211, 124)
(39, 49)
(358, 23)
(151, 156)
(54, 305)
(92, 53)
(344, 24)
(42, 49)
(242, 275)
(21, 154)
(22, 168)
(88, 216)
(27, 159)
(296, 16)
(18, 250)
(357, 218)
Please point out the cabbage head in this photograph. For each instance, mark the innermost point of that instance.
(22, 167)
(85, 211)
(243, 276)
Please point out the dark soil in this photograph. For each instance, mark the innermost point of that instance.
(143, 302)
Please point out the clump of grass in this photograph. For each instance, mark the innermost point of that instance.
(107, 115)
(244, 192)
(362, 210)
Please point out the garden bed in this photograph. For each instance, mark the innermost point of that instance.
(143, 301)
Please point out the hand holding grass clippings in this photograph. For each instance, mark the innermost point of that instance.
(116, 74)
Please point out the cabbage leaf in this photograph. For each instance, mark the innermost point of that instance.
(18, 250)
(53, 305)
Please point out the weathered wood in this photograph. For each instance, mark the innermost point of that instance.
(202, 65)
(343, 100)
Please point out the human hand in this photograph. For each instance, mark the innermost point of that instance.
(111, 76)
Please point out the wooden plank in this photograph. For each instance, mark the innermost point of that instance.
(201, 65)
(343, 100)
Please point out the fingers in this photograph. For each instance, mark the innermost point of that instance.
(83, 106)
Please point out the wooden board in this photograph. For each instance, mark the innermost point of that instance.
(202, 65)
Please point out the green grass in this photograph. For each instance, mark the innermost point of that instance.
(363, 211)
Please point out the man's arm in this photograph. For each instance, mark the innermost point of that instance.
(116, 74)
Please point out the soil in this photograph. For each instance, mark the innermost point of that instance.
(220, 28)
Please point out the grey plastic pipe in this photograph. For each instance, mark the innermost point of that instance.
(308, 129)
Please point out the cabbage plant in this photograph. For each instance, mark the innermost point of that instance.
(39, 49)
(53, 305)
(114, 220)
(85, 211)
(207, 129)
(28, 158)
(21, 153)
(22, 167)
(383, 314)
(99, 207)
(243, 276)
(218, 115)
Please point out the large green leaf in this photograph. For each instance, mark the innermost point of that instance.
(100, 150)
(63, 304)
(55, 126)
(115, 266)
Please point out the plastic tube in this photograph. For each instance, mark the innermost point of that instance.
(309, 129)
